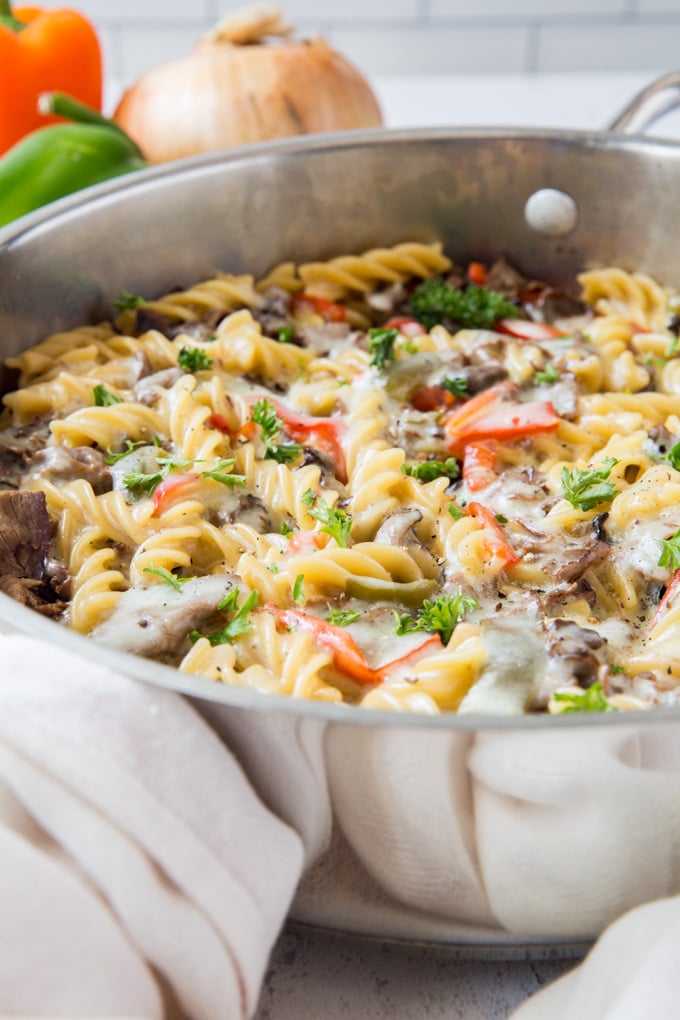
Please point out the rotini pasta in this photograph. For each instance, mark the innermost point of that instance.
(367, 480)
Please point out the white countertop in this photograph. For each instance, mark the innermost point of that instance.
(322, 977)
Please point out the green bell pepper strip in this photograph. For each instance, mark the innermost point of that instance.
(59, 159)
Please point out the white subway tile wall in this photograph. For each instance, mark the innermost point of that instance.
(384, 37)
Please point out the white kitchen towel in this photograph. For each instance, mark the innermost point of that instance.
(631, 974)
(131, 846)
(575, 827)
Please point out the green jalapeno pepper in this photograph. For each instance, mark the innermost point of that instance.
(59, 159)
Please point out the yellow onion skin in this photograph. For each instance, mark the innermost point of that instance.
(223, 95)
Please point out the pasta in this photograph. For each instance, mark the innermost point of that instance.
(383, 479)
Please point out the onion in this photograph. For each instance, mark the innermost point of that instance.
(246, 81)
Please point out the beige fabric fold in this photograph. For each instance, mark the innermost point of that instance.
(122, 795)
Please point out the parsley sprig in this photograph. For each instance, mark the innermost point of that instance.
(439, 617)
(167, 576)
(670, 552)
(586, 489)
(381, 346)
(219, 473)
(337, 523)
(103, 397)
(457, 386)
(193, 359)
(427, 470)
(549, 375)
(237, 625)
(343, 617)
(475, 307)
(264, 414)
(593, 699)
(147, 482)
(113, 458)
(673, 456)
(126, 300)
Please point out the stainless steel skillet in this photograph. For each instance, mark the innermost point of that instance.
(481, 834)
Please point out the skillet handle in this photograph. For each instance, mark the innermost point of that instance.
(657, 99)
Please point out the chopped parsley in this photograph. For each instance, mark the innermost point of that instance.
(285, 530)
(264, 414)
(427, 470)
(343, 617)
(439, 617)
(435, 300)
(113, 458)
(125, 300)
(673, 456)
(670, 552)
(549, 375)
(148, 482)
(457, 386)
(239, 623)
(166, 576)
(335, 523)
(381, 346)
(593, 699)
(501, 518)
(103, 397)
(219, 474)
(455, 511)
(588, 488)
(298, 588)
(193, 359)
(617, 669)
(672, 347)
(285, 334)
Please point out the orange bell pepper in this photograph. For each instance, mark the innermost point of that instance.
(42, 51)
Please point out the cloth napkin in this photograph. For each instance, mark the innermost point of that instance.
(631, 974)
(136, 861)
(141, 875)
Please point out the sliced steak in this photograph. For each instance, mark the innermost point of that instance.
(17, 443)
(24, 542)
(24, 534)
(67, 464)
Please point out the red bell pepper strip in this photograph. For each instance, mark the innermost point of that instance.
(216, 421)
(346, 654)
(408, 327)
(669, 594)
(428, 647)
(496, 539)
(474, 407)
(479, 463)
(527, 329)
(306, 542)
(488, 416)
(512, 420)
(247, 432)
(170, 487)
(476, 272)
(432, 398)
(328, 310)
(322, 434)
